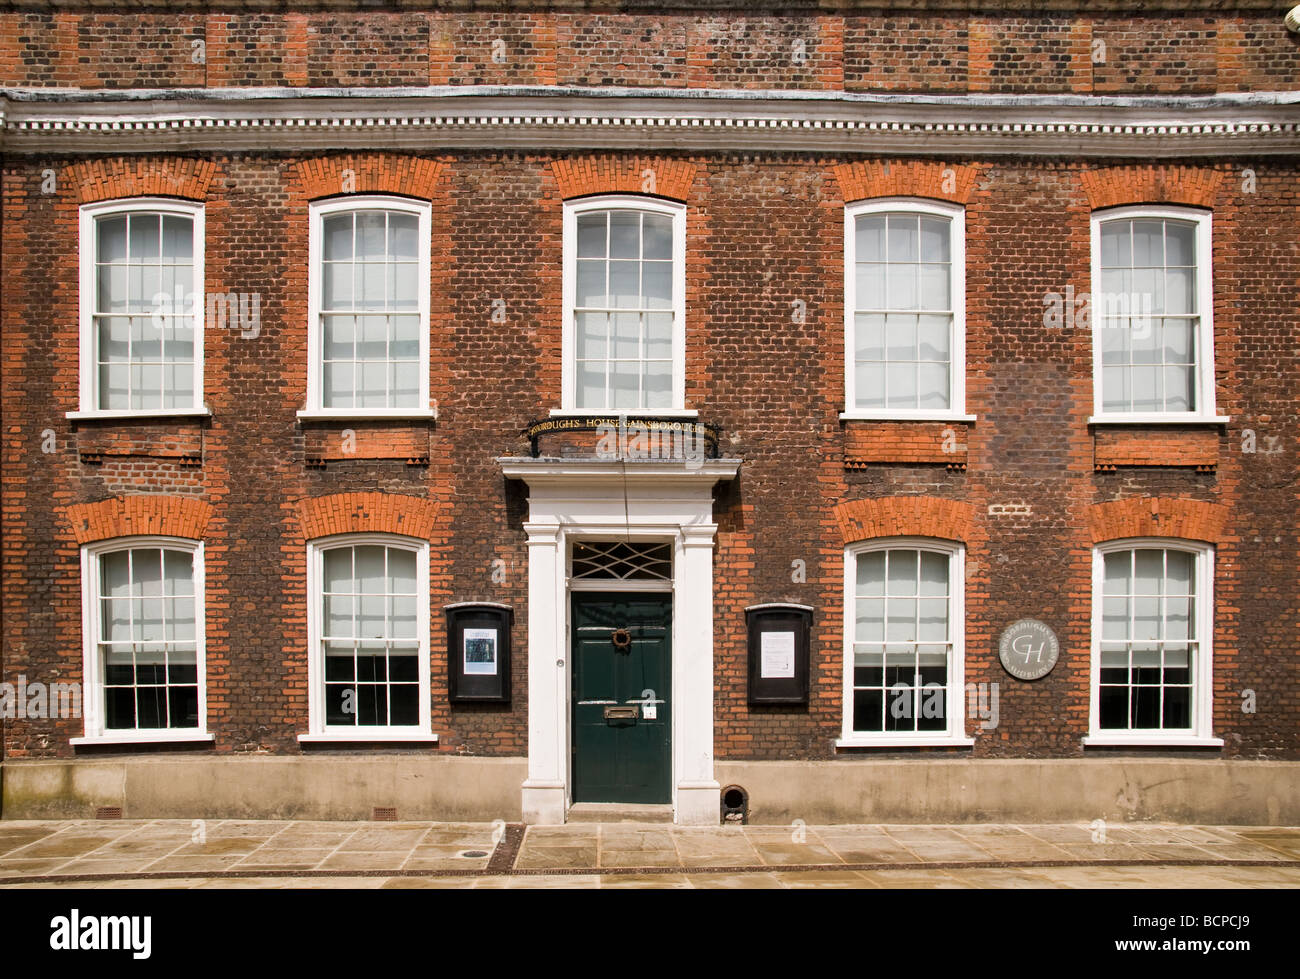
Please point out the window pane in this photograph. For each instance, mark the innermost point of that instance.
(1180, 291)
(903, 238)
(178, 239)
(871, 573)
(934, 574)
(625, 385)
(932, 386)
(659, 336)
(1178, 384)
(112, 240)
(592, 330)
(627, 335)
(591, 284)
(1180, 243)
(901, 336)
(1116, 248)
(337, 237)
(900, 385)
(870, 341)
(372, 385)
(404, 343)
(657, 242)
(870, 243)
(371, 283)
(371, 236)
(935, 287)
(656, 280)
(145, 243)
(901, 287)
(869, 621)
(591, 235)
(933, 622)
(869, 386)
(591, 384)
(1148, 244)
(625, 284)
(902, 573)
(115, 387)
(935, 240)
(869, 668)
(337, 387)
(403, 233)
(933, 336)
(404, 289)
(658, 386)
(625, 234)
(340, 616)
(404, 385)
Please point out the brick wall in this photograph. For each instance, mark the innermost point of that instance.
(763, 231)
(764, 234)
(942, 51)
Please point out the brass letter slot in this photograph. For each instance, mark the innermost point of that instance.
(620, 713)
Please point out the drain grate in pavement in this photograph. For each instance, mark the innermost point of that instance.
(507, 851)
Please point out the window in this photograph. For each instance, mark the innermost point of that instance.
(1151, 315)
(370, 638)
(624, 305)
(369, 308)
(142, 308)
(143, 620)
(903, 649)
(905, 300)
(1151, 651)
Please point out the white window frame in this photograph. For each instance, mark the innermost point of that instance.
(92, 695)
(318, 730)
(1204, 373)
(88, 387)
(674, 210)
(956, 214)
(955, 735)
(318, 212)
(1201, 733)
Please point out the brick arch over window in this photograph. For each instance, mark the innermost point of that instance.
(905, 516)
(130, 516)
(111, 178)
(371, 173)
(912, 178)
(1157, 516)
(583, 176)
(1114, 186)
(360, 513)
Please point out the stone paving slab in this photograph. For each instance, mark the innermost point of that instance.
(215, 853)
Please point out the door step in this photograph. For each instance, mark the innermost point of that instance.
(619, 812)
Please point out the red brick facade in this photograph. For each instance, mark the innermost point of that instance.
(1028, 487)
(1091, 51)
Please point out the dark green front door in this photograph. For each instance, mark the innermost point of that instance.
(621, 674)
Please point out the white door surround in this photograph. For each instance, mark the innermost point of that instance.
(581, 498)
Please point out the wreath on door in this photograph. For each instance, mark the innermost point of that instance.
(621, 639)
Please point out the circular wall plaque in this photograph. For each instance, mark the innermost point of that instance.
(1028, 649)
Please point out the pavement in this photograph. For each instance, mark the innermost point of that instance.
(303, 854)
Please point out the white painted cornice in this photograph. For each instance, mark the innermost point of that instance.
(549, 118)
(552, 471)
